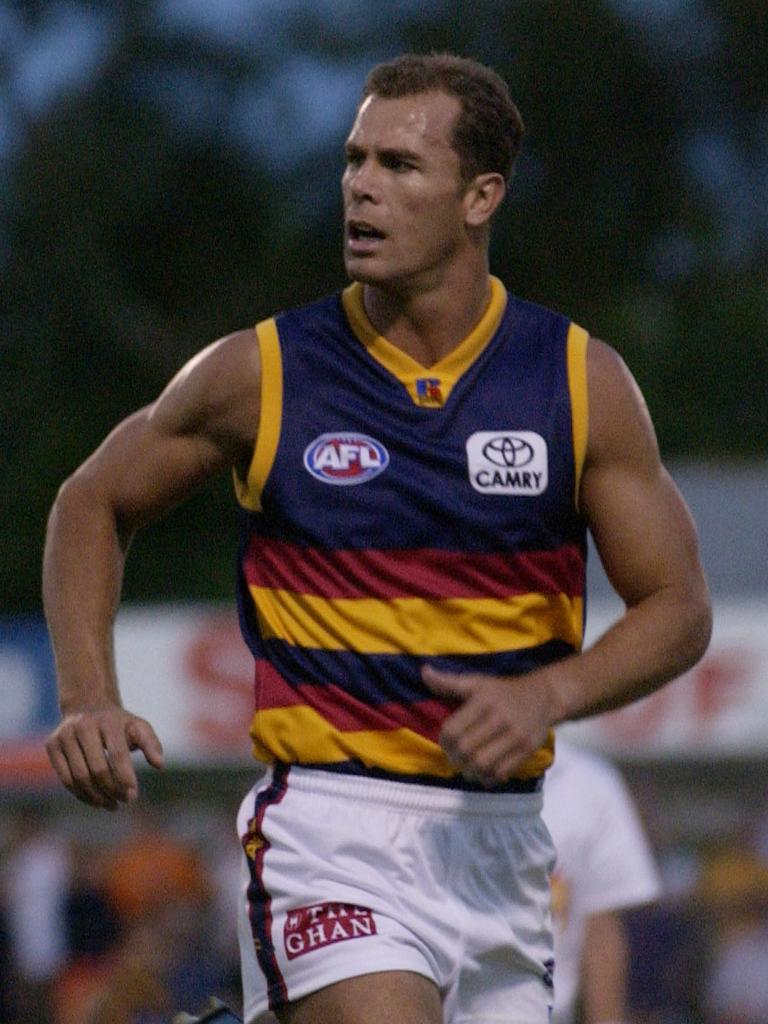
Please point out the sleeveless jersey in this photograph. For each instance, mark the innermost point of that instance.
(395, 515)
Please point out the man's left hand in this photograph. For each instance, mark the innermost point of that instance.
(500, 722)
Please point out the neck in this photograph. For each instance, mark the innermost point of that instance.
(429, 321)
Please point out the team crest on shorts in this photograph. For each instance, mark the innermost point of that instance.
(345, 458)
(253, 840)
(322, 924)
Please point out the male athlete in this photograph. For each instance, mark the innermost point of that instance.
(418, 459)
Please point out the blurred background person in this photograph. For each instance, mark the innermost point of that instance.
(142, 926)
(733, 891)
(36, 878)
(604, 866)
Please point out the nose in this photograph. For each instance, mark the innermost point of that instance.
(361, 180)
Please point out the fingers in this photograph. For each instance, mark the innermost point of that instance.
(463, 731)
(90, 752)
(120, 779)
(69, 756)
(466, 730)
(486, 752)
(141, 736)
(496, 727)
(452, 685)
(493, 762)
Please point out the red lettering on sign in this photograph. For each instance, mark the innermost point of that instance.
(718, 682)
(222, 669)
(691, 704)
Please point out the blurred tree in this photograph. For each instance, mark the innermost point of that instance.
(187, 184)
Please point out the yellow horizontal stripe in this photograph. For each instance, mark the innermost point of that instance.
(299, 734)
(413, 625)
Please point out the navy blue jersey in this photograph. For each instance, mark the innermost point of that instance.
(395, 514)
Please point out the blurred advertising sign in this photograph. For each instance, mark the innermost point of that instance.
(187, 670)
(28, 704)
(717, 709)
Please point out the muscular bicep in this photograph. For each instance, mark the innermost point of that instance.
(641, 526)
(139, 471)
(203, 421)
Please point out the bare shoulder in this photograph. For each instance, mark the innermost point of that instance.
(215, 394)
(638, 518)
(620, 426)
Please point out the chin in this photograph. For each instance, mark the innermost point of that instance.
(362, 271)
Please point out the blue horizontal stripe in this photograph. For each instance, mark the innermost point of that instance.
(354, 767)
(382, 678)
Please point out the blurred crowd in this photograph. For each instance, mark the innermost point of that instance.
(124, 921)
(128, 918)
(700, 955)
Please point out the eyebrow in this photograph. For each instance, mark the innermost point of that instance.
(389, 152)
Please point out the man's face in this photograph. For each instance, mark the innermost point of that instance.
(404, 216)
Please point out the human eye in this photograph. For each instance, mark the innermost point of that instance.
(353, 156)
(397, 162)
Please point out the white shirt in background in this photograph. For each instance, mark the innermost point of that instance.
(604, 861)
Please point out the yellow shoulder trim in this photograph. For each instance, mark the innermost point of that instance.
(577, 385)
(270, 417)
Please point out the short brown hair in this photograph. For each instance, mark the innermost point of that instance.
(489, 128)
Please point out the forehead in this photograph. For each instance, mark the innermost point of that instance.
(421, 122)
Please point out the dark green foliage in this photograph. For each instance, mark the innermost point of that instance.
(139, 222)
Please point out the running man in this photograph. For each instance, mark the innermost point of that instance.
(418, 459)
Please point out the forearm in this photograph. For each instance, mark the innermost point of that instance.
(82, 578)
(502, 721)
(146, 465)
(604, 970)
(652, 643)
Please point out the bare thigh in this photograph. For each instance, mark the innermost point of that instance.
(380, 998)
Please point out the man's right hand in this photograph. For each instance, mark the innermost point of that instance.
(90, 751)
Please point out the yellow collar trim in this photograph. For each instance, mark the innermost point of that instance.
(427, 386)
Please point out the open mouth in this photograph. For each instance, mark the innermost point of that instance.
(359, 231)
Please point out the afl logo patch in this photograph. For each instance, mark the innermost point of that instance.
(345, 459)
(508, 462)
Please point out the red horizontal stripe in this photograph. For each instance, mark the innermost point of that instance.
(427, 572)
(345, 712)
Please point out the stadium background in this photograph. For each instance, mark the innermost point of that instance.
(169, 173)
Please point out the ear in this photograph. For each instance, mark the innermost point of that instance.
(482, 198)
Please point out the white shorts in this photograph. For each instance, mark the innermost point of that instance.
(346, 876)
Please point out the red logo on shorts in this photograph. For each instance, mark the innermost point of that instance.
(308, 928)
